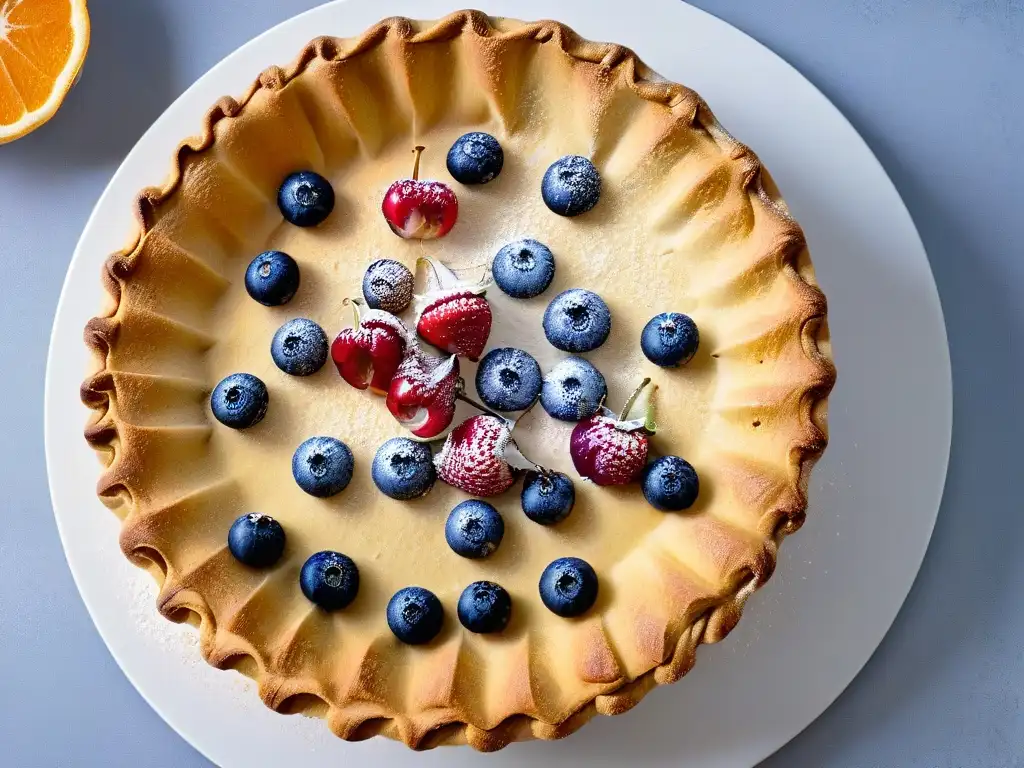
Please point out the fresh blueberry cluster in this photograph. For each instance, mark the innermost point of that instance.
(381, 354)
(322, 466)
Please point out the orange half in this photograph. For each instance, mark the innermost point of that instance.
(42, 47)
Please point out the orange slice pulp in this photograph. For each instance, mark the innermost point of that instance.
(42, 47)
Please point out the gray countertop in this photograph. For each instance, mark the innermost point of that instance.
(936, 87)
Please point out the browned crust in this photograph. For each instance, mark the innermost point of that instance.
(104, 428)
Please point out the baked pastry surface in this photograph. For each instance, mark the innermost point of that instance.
(688, 221)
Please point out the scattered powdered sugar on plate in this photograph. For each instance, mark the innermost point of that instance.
(178, 641)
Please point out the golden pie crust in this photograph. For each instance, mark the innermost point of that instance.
(688, 221)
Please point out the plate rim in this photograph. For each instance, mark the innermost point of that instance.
(191, 94)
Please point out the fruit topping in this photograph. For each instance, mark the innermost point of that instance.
(421, 394)
(473, 456)
(670, 484)
(369, 352)
(474, 529)
(305, 198)
(568, 586)
(453, 315)
(475, 158)
(322, 466)
(330, 580)
(387, 285)
(547, 497)
(419, 209)
(574, 389)
(256, 540)
(508, 379)
(571, 186)
(403, 469)
(272, 278)
(670, 339)
(577, 320)
(610, 451)
(484, 607)
(299, 347)
(523, 269)
(415, 615)
(240, 401)
(458, 322)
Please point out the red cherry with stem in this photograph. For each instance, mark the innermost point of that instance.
(420, 209)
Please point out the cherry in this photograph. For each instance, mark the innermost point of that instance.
(420, 210)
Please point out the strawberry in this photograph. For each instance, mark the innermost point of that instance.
(453, 315)
(422, 393)
(473, 457)
(610, 451)
(457, 321)
(369, 353)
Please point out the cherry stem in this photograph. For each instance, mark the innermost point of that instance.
(429, 262)
(355, 309)
(536, 466)
(632, 399)
(460, 390)
(416, 163)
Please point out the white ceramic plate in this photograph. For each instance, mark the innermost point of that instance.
(874, 497)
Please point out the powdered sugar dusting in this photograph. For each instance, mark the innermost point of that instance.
(428, 191)
(577, 175)
(389, 284)
(379, 319)
(472, 458)
(606, 454)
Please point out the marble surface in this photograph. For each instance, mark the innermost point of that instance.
(935, 86)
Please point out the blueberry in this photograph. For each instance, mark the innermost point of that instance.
(256, 540)
(305, 198)
(485, 607)
(568, 587)
(272, 278)
(670, 339)
(670, 484)
(329, 579)
(404, 469)
(571, 186)
(523, 269)
(240, 401)
(573, 390)
(299, 347)
(474, 528)
(475, 158)
(387, 285)
(547, 497)
(577, 320)
(322, 466)
(415, 615)
(508, 379)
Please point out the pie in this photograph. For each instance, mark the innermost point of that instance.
(687, 221)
